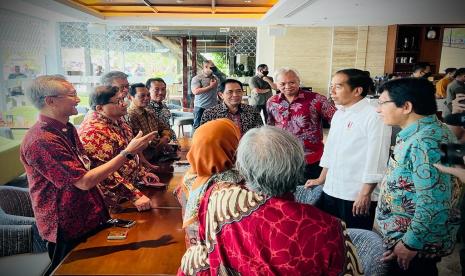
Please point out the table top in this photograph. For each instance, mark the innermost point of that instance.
(154, 245)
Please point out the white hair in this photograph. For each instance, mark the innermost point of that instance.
(107, 79)
(44, 86)
(271, 160)
(286, 70)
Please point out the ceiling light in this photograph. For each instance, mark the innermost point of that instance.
(179, 1)
(248, 1)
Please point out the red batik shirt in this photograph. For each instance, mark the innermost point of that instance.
(103, 139)
(303, 118)
(54, 161)
(244, 233)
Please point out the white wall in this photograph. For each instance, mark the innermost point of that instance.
(265, 48)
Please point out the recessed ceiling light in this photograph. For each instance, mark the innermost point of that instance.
(179, 1)
(248, 1)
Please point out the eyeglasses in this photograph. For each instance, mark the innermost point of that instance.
(383, 102)
(74, 96)
(119, 102)
(121, 87)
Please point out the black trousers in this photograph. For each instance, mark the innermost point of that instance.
(58, 251)
(312, 171)
(418, 266)
(343, 209)
(260, 108)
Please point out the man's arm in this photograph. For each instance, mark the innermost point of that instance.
(99, 149)
(432, 203)
(56, 163)
(197, 89)
(98, 174)
(269, 80)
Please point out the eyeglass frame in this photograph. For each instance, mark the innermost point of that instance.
(384, 102)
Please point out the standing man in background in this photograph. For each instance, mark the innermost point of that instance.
(261, 89)
(204, 87)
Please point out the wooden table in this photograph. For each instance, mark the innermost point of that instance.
(154, 246)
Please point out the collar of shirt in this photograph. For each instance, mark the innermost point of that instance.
(415, 126)
(155, 104)
(55, 123)
(299, 96)
(355, 107)
(225, 109)
(102, 118)
(138, 110)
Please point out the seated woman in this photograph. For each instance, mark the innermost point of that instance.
(104, 135)
(258, 228)
(211, 157)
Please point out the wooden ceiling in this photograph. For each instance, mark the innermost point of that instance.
(208, 9)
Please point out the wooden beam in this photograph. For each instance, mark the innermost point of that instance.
(184, 72)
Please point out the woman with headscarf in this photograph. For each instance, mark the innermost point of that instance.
(212, 157)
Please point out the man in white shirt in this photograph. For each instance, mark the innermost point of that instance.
(355, 154)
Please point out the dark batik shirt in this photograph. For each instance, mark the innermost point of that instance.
(247, 117)
(54, 161)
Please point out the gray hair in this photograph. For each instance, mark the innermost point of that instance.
(107, 79)
(44, 86)
(271, 161)
(286, 70)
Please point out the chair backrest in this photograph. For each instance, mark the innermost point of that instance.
(16, 201)
(370, 249)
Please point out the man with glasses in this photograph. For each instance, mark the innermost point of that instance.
(417, 212)
(144, 119)
(104, 135)
(243, 115)
(355, 153)
(67, 205)
(204, 87)
(300, 112)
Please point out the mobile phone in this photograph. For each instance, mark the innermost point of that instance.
(117, 234)
(126, 223)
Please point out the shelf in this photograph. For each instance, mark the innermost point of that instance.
(407, 52)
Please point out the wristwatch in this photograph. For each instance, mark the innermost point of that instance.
(127, 155)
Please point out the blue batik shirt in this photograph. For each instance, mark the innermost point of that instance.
(418, 204)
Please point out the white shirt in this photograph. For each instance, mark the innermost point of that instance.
(356, 151)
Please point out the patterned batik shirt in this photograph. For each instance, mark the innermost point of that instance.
(248, 116)
(54, 161)
(145, 120)
(303, 118)
(163, 114)
(103, 139)
(418, 204)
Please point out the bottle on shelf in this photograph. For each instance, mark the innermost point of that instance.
(405, 46)
(413, 45)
